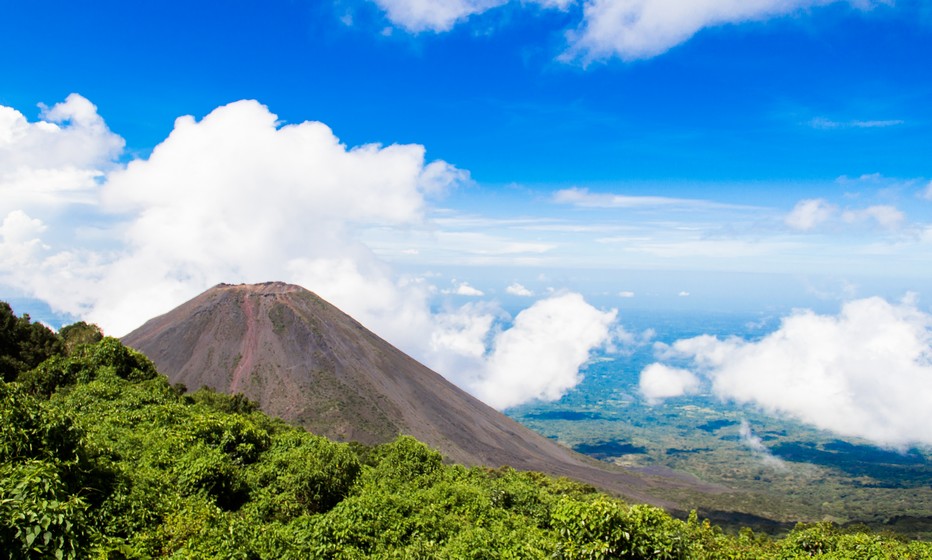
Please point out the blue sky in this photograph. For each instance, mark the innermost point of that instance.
(786, 98)
(436, 167)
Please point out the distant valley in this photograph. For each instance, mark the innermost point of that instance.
(801, 473)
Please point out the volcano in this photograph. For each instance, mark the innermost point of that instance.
(307, 362)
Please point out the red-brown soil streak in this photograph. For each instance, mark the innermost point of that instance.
(248, 347)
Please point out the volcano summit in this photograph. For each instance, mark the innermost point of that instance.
(307, 362)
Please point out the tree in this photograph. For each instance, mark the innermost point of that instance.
(79, 333)
(23, 344)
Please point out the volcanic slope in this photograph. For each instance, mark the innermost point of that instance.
(307, 362)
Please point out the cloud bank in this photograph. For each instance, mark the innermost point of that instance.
(627, 29)
(237, 197)
(866, 372)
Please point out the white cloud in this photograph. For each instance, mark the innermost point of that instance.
(539, 357)
(55, 161)
(583, 198)
(628, 29)
(433, 15)
(626, 294)
(637, 29)
(464, 289)
(236, 197)
(866, 372)
(811, 213)
(684, 293)
(828, 124)
(886, 216)
(659, 382)
(517, 289)
(19, 241)
(807, 214)
(417, 16)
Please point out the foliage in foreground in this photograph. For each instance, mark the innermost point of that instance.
(101, 458)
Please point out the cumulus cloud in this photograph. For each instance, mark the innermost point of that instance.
(517, 289)
(659, 381)
(540, 356)
(19, 240)
(464, 289)
(866, 372)
(237, 197)
(809, 213)
(55, 161)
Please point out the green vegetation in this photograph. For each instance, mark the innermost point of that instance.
(100, 457)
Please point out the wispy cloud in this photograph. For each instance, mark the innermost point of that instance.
(583, 198)
(926, 192)
(640, 29)
(809, 214)
(754, 443)
(439, 15)
(823, 123)
(627, 29)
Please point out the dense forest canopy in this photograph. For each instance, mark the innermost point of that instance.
(101, 457)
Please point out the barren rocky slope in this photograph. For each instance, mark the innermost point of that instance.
(307, 362)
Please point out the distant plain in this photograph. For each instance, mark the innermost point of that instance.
(801, 474)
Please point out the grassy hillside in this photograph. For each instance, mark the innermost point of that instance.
(100, 457)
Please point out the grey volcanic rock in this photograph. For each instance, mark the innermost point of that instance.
(310, 364)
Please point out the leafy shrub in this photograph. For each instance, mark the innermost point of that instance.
(606, 528)
(303, 474)
(207, 469)
(405, 461)
(86, 363)
(234, 435)
(39, 516)
(31, 430)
